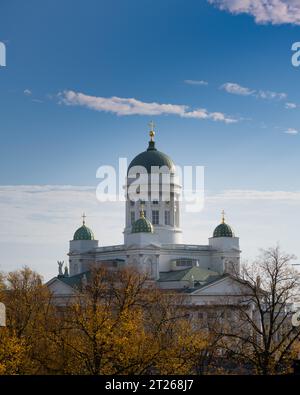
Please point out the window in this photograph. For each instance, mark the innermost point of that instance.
(155, 217)
(155, 202)
(167, 218)
(132, 203)
(132, 217)
(187, 262)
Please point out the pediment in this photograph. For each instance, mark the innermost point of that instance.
(58, 287)
(224, 286)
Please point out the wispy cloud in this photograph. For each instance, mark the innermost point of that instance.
(290, 106)
(41, 219)
(269, 95)
(236, 89)
(131, 106)
(275, 12)
(28, 92)
(244, 195)
(291, 131)
(28, 209)
(196, 82)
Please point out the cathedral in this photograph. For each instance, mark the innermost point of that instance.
(152, 243)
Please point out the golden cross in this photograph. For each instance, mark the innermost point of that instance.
(142, 213)
(152, 133)
(83, 218)
(223, 217)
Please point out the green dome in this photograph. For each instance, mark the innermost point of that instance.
(152, 157)
(83, 233)
(142, 225)
(223, 230)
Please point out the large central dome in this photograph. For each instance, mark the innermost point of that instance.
(152, 157)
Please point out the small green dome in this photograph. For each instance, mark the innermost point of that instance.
(83, 233)
(152, 157)
(223, 230)
(142, 225)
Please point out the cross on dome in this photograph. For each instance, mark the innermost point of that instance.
(142, 212)
(152, 132)
(223, 217)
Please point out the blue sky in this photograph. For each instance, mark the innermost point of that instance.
(147, 51)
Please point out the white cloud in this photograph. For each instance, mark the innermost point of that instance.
(130, 106)
(246, 195)
(291, 131)
(37, 222)
(196, 82)
(27, 92)
(271, 95)
(236, 89)
(290, 106)
(275, 12)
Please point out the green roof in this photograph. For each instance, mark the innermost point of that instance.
(83, 233)
(75, 281)
(200, 275)
(223, 230)
(152, 157)
(210, 280)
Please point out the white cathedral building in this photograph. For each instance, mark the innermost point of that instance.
(152, 244)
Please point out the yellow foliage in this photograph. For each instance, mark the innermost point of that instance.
(12, 353)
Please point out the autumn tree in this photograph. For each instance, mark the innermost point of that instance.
(261, 333)
(27, 303)
(12, 353)
(120, 323)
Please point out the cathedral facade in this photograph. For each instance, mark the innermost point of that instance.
(153, 241)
